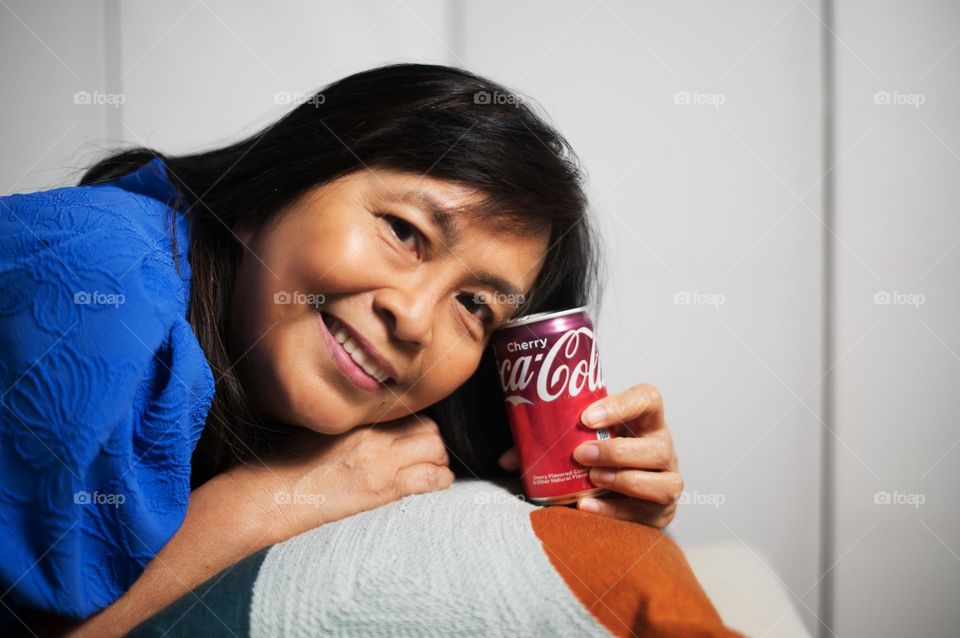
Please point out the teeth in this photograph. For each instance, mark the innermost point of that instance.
(349, 345)
(340, 335)
(353, 349)
(358, 355)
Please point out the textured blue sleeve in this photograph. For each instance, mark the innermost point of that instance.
(104, 393)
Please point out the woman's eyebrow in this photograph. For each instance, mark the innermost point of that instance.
(441, 215)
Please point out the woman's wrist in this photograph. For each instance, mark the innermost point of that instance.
(249, 493)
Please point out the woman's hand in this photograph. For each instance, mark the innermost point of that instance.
(639, 463)
(320, 478)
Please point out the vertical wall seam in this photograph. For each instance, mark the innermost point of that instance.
(111, 66)
(457, 31)
(827, 448)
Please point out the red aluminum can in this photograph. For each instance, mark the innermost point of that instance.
(550, 372)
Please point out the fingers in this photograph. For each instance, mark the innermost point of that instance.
(639, 408)
(421, 454)
(510, 460)
(651, 452)
(422, 478)
(660, 487)
(628, 509)
(425, 447)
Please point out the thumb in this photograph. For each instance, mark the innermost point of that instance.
(510, 460)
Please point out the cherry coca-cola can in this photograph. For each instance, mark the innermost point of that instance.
(550, 372)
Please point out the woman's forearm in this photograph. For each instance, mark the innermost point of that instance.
(236, 513)
(225, 522)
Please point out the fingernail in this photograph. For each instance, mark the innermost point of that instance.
(602, 476)
(590, 505)
(587, 453)
(594, 414)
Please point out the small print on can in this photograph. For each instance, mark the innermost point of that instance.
(550, 372)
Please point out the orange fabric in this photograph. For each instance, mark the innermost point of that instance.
(634, 579)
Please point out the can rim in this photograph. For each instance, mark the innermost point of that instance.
(538, 316)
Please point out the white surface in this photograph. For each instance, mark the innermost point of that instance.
(749, 596)
(48, 52)
(243, 54)
(898, 404)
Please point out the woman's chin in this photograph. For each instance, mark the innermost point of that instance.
(324, 429)
(332, 418)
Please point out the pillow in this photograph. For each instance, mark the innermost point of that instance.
(473, 559)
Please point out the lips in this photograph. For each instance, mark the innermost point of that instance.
(362, 357)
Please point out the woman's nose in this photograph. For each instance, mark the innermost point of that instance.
(409, 315)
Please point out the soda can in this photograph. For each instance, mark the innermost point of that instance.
(549, 371)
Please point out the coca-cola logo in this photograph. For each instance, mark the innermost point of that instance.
(563, 370)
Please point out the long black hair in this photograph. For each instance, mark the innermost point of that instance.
(426, 119)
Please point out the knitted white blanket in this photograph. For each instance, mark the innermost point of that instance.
(464, 561)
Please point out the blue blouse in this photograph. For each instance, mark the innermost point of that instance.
(105, 389)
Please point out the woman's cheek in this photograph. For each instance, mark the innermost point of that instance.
(344, 261)
(443, 375)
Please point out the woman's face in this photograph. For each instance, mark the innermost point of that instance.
(372, 264)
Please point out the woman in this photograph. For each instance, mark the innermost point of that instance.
(210, 353)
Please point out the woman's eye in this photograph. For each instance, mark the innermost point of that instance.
(475, 305)
(403, 230)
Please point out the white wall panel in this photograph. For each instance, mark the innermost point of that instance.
(718, 197)
(51, 54)
(212, 71)
(898, 393)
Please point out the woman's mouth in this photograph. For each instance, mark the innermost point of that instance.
(350, 356)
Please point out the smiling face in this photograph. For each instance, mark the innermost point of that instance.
(371, 297)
